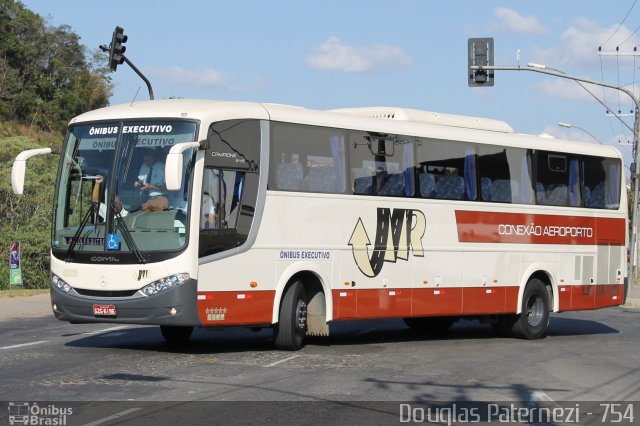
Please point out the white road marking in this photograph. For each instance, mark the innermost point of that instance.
(107, 329)
(113, 417)
(281, 361)
(540, 396)
(24, 344)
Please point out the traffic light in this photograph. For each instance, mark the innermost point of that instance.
(116, 49)
(480, 54)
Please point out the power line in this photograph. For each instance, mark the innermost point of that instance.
(619, 25)
(604, 96)
(630, 35)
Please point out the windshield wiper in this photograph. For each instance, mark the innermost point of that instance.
(76, 236)
(128, 238)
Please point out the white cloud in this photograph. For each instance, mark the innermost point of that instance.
(572, 134)
(510, 21)
(579, 46)
(203, 77)
(566, 89)
(335, 55)
(570, 90)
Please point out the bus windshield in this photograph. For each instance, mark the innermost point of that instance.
(111, 194)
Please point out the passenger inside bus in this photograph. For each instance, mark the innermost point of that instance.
(210, 203)
(151, 182)
(98, 201)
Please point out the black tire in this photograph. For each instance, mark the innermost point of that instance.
(176, 335)
(431, 325)
(289, 332)
(532, 322)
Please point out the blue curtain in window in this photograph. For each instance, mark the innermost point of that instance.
(525, 181)
(237, 190)
(574, 183)
(613, 191)
(470, 174)
(337, 151)
(407, 166)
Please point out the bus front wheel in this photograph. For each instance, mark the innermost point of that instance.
(532, 322)
(289, 332)
(176, 335)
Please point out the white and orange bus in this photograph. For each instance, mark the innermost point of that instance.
(184, 213)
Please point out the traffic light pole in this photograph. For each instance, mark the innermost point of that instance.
(635, 177)
(142, 76)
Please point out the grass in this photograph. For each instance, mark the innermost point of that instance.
(23, 293)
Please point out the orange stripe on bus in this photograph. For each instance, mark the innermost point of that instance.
(523, 228)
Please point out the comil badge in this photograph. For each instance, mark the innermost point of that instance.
(397, 232)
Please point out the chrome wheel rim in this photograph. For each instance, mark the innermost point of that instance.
(535, 311)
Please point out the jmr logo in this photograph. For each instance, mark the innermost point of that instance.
(397, 232)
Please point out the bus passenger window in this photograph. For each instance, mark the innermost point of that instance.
(446, 170)
(601, 182)
(505, 175)
(557, 179)
(382, 164)
(307, 158)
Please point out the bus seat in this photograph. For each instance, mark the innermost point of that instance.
(363, 185)
(596, 196)
(558, 196)
(394, 185)
(501, 191)
(540, 193)
(289, 176)
(322, 179)
(450, 187)
(485, 189)
(427, 185)
(587, 195)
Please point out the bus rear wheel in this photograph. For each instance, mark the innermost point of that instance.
(176, 335)
(434, 325)
(532, 322)
(289, 332)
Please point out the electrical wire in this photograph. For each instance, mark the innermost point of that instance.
(620, 24)
(618, 72)
(604, 97)
(630, 35)
(633, 89)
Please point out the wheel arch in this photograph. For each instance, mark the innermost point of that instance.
(313, 280)
(544, 274)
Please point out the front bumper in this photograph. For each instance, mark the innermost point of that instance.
(148, 310)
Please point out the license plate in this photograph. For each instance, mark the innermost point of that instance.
(104, 310)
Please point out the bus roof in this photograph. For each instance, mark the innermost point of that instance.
(379, 119)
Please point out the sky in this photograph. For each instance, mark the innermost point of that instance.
(402, 53)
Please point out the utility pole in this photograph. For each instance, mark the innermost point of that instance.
(481, 70)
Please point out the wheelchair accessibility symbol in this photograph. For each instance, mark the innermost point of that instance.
(113, 242)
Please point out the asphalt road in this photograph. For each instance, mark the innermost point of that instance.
(586, 356)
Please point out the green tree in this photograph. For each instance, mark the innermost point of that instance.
(26, 217)
(46, 75)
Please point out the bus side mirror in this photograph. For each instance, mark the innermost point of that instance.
(173, 165)
(19, 168)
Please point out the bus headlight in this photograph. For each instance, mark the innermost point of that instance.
(164, 284)
(60, 284)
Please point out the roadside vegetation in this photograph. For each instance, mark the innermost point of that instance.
(46, 77)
